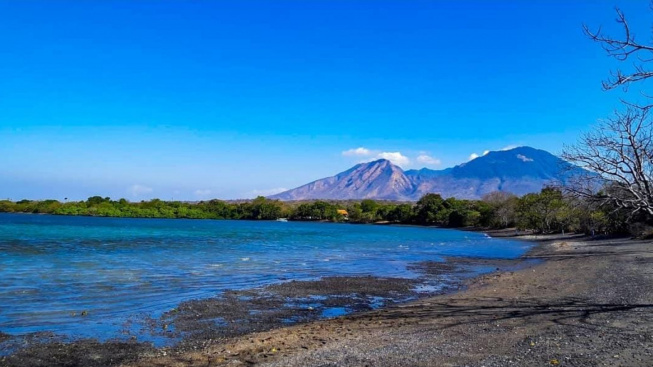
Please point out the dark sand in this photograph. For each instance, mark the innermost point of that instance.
(197, 324)
(587, 303)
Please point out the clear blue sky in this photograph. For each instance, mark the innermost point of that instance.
(230, 99)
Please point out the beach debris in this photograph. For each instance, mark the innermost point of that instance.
(532, 343)
(554, 362)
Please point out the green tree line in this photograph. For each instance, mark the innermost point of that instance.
(547, 211)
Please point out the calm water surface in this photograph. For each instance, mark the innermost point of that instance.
(52, 267)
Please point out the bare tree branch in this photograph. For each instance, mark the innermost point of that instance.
(618, 159)
(621, 49)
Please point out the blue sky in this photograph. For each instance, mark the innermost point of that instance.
(230, 99)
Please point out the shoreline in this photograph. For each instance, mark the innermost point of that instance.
(568, 310)
(305, 343)
(350, 295)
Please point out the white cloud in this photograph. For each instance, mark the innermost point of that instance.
(357, 152)
(265, 192)
(395, 157)
(509, 147)
(475, 155)
(524, 158)
(137, 190)
(428, 160)
(367, 155)
(202, 192)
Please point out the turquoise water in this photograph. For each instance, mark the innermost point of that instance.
(52, 268)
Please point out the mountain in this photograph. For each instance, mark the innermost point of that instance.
(373, 180)
(519, 171)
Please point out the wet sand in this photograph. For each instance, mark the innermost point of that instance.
(197, 324)
(590, 303)
(242, 312)
(587, 303)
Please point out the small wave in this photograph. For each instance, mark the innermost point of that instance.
(244, 258)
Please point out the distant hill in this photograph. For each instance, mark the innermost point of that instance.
(379, 180)
(519, 171)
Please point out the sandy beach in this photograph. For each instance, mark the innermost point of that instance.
(590, 303)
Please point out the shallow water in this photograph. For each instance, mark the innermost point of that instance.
(118, 271)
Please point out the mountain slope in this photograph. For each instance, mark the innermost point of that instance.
(379, 180)
(519, 171)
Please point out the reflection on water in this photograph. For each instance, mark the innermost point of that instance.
(92, 277)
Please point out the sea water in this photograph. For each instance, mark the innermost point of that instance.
(87, 276)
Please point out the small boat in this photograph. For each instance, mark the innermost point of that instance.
(282, 220)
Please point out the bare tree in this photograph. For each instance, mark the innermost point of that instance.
(618, 156)
(624, 48)
(504, 205)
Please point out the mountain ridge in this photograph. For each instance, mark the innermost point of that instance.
(519, 171)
